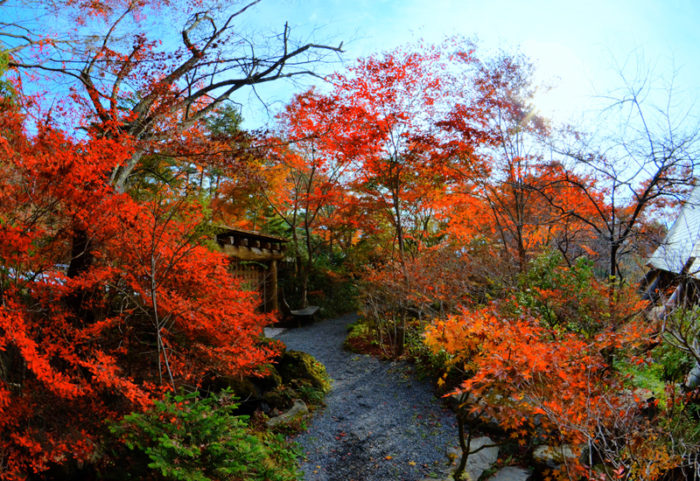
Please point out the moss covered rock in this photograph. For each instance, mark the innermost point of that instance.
(271, 380)
(281, 398)
(243, 388)
(294, 366)
(295, 375)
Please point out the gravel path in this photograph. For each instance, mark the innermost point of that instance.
(380, 423)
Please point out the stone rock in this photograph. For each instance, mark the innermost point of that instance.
(250, 387)
(693, 379)
(300, 366)
(265, 393)
(482, 460)
(244, 388)
(478, 462)
(484, 423)
(453, 454)
(643, 394)
(298, 409)
(511, 473)
(273, 332)
(552, 456)
(270, 381)
(279, 398)
(656, 313)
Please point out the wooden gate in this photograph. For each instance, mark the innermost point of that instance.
(254, 258)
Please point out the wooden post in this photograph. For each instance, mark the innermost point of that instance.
(273, 287)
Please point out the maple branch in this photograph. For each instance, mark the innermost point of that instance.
(169, 92)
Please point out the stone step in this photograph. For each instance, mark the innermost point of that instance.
(478, 461)
(482, 460)
(511, 473)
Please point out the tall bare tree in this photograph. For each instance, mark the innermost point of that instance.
(648, 161)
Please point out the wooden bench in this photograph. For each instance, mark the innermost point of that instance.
(306, 312)
(298, 316)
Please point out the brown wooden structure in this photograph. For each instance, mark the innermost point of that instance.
(255, 258)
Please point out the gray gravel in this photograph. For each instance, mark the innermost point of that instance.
(380, 422)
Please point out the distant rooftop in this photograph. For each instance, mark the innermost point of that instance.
(680, 251)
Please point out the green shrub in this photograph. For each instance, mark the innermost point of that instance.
(644, 376)
(675, 362)
(562, 297)
(190, 438)
(329, 285)
(359, 334)
(428, 363)
(334, 292)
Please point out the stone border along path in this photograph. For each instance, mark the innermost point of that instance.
(380, 423)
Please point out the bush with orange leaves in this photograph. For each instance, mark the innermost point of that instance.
(534, 379)
(431, 283)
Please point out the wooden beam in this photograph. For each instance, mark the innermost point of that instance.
(252, 254)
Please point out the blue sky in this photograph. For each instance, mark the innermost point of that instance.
(579, 47)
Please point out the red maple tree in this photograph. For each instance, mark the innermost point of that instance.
(152, 309)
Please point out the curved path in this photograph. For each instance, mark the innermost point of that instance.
(379, 423)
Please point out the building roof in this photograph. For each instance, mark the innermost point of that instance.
(680, 251)
(226, 231)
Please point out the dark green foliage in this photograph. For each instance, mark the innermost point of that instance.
(226, 122)
(271, 223)
(675, 364)
(358, 331)
(190, 438)
(7, 91)
(335, 293)
(329, 287)
(428, 363)
(561, 296)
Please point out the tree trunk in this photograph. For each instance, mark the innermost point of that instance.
(121, 174)
(80, 261)
(80, 256)
(465, 440)
(614, 248)
(309, 267)
(399, 226)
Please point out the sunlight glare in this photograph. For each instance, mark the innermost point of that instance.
(562, 77)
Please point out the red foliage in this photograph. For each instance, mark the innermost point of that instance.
(381, 120)
(152, 309)
(531, 378)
